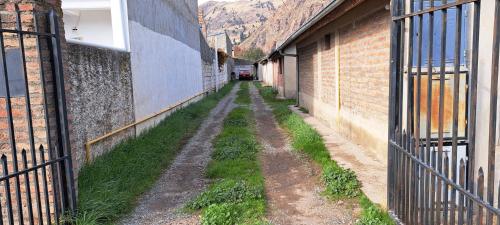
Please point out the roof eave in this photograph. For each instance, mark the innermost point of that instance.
(325, 11)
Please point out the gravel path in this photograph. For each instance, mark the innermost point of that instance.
(185, 178)
(292, 183)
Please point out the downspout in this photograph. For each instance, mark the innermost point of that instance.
(296, 74)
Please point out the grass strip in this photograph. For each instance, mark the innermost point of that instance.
(340, 183)
(237, 194)
(109, 187)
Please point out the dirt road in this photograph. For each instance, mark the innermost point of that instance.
(293, 185)
(185, 178)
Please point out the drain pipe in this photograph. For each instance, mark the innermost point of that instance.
(296, 74)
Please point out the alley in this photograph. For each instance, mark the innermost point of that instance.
(293, 186)
(185, 178)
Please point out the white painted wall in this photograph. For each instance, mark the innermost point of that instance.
(165, 71)
(483, 89)
(97, 22)
(267, 73)
(91, 26)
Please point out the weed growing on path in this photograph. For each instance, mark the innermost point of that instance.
(340, 183)
(109, 186)
(244, 94)
(237, 194)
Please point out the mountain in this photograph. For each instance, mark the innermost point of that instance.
(287, 19)
(239, 17)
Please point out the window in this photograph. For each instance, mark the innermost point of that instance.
(98, 22)
(15, 73)
(280, 65)
(328, 39)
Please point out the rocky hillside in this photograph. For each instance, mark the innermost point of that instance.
(239, 17)
(288, 18)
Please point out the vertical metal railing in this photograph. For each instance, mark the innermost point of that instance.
(433, 174)
(34, 190)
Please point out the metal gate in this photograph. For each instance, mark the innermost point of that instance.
(433, 172)
(36, 183)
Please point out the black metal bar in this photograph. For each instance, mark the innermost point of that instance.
(11, 125)
(473, 104)
(393, 79)
(28, 112)
(434, 9)
(493, 110)
(409, 107)
(33, 168)
(456, 98)
(448, 181)
(45, 186)
(25, 32)
(28, 188)
(70, 195)
(441, 97)
(461, 197)
(480, 194)
(445, 189)
(8, 198)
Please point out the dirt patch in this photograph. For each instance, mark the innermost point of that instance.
(185, 178)
(293, 185)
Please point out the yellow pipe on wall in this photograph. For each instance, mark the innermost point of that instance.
(112, 133)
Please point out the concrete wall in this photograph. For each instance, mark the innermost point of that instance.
(346, 84)
(165, 54)
(101, 98)
(267, 73)
(290, 77)
(483, 92)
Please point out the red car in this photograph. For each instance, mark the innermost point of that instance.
(245, 75)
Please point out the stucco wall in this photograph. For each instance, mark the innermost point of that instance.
(100, 82)
(290, 81)
(483, 92)
(165, 54)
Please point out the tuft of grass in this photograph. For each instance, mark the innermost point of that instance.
(243, 97)
(237, 194)
(109, 187)
(372, 214)
(340, 183)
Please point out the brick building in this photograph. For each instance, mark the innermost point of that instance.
(343, 69)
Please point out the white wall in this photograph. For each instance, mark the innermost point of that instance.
(97, 22)
(267, 73)
(483, 89)
(165, 71)
(93, 26)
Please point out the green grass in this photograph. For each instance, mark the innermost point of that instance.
(339, 183)
(109, 187)
(237, 194)
(244, 94)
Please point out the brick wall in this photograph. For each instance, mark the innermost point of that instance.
(328, 67)
(364, 71)
(353, 96)
(20, 117)
(308, 73)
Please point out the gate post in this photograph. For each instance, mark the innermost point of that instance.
(46, 71)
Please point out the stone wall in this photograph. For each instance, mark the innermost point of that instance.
(209, 65)
(101, 98)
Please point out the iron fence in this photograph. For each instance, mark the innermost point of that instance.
(38, 188)
(433, 174)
